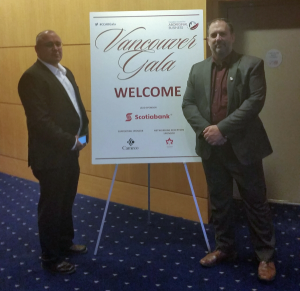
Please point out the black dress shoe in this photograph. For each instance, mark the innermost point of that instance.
(216, 257)
(75, 249)
(59, 268)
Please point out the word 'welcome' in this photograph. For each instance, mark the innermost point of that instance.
(147, 92)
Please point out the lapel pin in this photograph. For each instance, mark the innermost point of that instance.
(231, 79)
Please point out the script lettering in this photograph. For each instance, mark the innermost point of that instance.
(135, 58)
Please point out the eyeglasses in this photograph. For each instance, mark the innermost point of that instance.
(51, 44)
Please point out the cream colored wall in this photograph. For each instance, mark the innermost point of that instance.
(259, 29)
(21, 21)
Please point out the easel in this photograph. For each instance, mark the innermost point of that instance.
(149, 222)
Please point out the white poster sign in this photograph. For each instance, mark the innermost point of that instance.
(140, 63)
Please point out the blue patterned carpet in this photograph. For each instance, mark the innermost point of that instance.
(132, 255)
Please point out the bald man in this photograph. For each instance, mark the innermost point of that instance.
(56, 118)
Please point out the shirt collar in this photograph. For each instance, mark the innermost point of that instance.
(53, 69)
(226, 62)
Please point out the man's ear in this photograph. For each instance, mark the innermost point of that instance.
(233, 37)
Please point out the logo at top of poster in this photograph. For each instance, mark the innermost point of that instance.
(128, 116)
(193, 25)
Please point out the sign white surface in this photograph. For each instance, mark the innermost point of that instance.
(140, 63)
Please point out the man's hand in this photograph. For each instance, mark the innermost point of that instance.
(79, 146)
(213, 135)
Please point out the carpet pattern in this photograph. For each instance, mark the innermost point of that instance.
(133, 255)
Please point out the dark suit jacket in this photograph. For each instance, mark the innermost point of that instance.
(52, 120)
(246, 88)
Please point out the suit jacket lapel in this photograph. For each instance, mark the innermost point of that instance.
(77, 94)
(53, 79)
(78, 98)
(231, 80)
(207, 80)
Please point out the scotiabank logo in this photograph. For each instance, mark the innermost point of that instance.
(148, 116)
(152, 116)
(128, 116)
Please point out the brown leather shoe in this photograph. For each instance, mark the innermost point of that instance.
(75, 249)
(217, 257)
(266, 271)
(59, 268)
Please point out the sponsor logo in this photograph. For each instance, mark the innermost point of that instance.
(152, 116)
(193, 25)
(148, 116)
(128, 116)
(130, 142)
(177, 24)
(183, 24)
(169, 141)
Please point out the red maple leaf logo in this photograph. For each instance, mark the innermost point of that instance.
(169, 141)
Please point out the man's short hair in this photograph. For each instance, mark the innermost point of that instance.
(38, 37)
(230, 26)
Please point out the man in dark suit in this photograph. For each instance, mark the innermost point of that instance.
(56, 118)
(223, 98)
